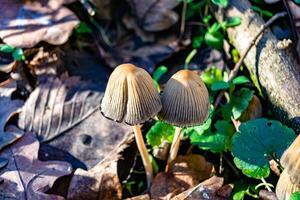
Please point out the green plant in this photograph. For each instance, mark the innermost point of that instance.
(17, 53)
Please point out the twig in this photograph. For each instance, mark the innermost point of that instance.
(236, 68)
(182, 25)
(292, 21)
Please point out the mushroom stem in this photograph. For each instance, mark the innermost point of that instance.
(144, 153)
(174, 148)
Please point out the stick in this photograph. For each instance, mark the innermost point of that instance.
(236, 68)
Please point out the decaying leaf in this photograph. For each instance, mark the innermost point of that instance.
(154, 15)
(25, 177)
(47, 62)
(208, 189)
(8, 107)
(65, 114)
(253, 111)
(146, 55)
(186, 172)
(100, 182)
(47, 20)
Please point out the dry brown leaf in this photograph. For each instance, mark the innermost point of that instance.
(26, 24)
(206, 190)
(8, 107)
(100, 182)
(145, 55)
(154, 15)
(140, 197)
(253, 111)
(25, 177)
(186, 172)
(65, 114)
(266, 195)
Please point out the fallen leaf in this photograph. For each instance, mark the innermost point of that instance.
(47, 20)
(206, 190)
(186, 172)
(145, 55)
(8, 107)
(65, 114)
(253, 111)
(154, 15)
(267, 195)
(25, 177)
(101, 181)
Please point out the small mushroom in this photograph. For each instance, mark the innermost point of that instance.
(131, 97)
(185, 103)
(289, 181)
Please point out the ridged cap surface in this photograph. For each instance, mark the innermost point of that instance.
(185, 100)
(290, 160)
(285, 188)
(130, 96)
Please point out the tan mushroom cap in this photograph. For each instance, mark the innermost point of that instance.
(185, 100)
(130, 96)
(285, 187)
(290, 160)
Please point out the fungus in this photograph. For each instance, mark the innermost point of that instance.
(185, 103)
(289, 181)
(131, 97)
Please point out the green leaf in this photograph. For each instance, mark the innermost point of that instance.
(83, 28)
(219, 85)
(214, 38)
(159, 132)
(159, 72)
(240, 80)
(258, 141)
(6, 48)
(212, 75)
(18, 54)
(221, 3)
(262, 12)
(295, 196)
(197, 41)
(297, 1)
(216, 142)
(252, 171)
(240, 101)
(232, 21)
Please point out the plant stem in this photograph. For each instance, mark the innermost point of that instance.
(174, 148)
(266, 184)
(183, 15)
(144, 153)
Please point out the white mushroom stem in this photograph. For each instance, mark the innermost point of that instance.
(174, 147)
(144, 153)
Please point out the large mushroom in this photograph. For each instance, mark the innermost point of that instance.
(131, 97)
(289, 181)
(185, 103)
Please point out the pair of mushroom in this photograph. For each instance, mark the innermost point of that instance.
(131, 97)
(289, 181)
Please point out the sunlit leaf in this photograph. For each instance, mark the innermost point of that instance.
(257, 142)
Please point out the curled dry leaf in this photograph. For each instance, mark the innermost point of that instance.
(154, 15)
(65, 114)
(208, 189)
(101, 181)
(25, 177)
(186, 172)
(47, 20)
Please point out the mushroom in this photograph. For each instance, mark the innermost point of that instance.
(185, 103)
(131, 97)
(289, 181)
